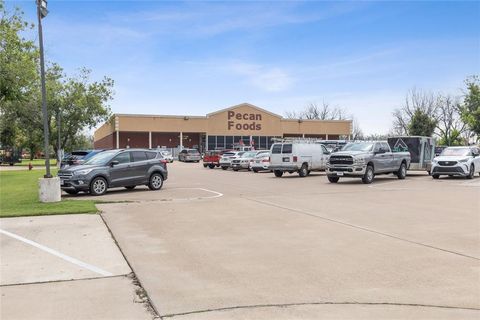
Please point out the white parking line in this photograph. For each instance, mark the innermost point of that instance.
(58, 254)
(216, 194)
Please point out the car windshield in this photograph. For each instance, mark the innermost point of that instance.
(101, 158)
(92, 154)
(228, 154)
(249, 154)
(455, 152)
(262, 155)
(358, 146)
(193, 152)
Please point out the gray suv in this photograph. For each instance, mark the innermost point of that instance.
(115, 168)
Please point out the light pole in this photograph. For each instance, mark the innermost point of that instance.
(42, 13)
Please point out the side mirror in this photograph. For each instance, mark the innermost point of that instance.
(114, 163)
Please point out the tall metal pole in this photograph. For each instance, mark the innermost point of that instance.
(44, 93)
(59, 148)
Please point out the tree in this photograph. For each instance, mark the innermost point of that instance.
(357, 133)
(470, 110)
(421, 124)
(18, 74)
(415, 100)
(450, 126)
(314, 111)
(78, 102)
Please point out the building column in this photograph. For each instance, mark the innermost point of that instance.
(149, 139)
(303, 135)
(181, 140)
(118, 139)
(326, 137)
(206, 141)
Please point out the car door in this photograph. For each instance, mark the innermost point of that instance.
(139, 166)
(388, 158)
(379, 158)
(325, 155)
(120, 174)
(476, 158)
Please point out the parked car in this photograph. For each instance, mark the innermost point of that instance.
(10, 155)
(244, 161)
(365, 160)
(457, 161)
(261, 162)
(211, 158)
(189, 155)
(78, 157)
(300, 156)
(115, 168)
(226, 158)
(167, 155)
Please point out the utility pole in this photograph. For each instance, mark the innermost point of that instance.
(42, 13)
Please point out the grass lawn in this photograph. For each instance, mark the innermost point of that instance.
(19, 197)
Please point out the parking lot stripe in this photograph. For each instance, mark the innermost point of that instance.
(58, 254)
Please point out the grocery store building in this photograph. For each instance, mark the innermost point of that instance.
(241, 124)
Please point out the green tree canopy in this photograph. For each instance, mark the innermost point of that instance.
(470, 109)
(421, 124)
(79, 102)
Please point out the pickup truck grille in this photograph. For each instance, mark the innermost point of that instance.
(235, 161)
(348, 160)
(447, 163)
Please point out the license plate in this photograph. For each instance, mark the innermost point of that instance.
(286, 159)
(339, 173)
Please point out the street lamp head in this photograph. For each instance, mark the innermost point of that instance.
(42, 4)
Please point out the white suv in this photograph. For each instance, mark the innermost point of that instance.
(457, 161)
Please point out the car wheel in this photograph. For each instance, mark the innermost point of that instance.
(71, 191)
(369, 175)
(435, 176)
(472, 172)
(303, 172)
(278, 173)
(333, 179)
(130, 187)
(235, 170)
(98, 186)
(211, 166)
(155, 182)
(255, 170)
(224, 168)
(402, 172)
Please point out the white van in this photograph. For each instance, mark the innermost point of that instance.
(298, 156)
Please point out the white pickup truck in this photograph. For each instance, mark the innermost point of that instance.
(297, 156)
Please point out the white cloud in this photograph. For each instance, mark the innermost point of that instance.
(271, 79)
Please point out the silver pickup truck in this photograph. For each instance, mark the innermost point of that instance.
(365, 160)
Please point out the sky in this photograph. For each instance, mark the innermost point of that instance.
(195, 57)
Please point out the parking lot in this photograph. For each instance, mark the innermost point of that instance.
(216, 244)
